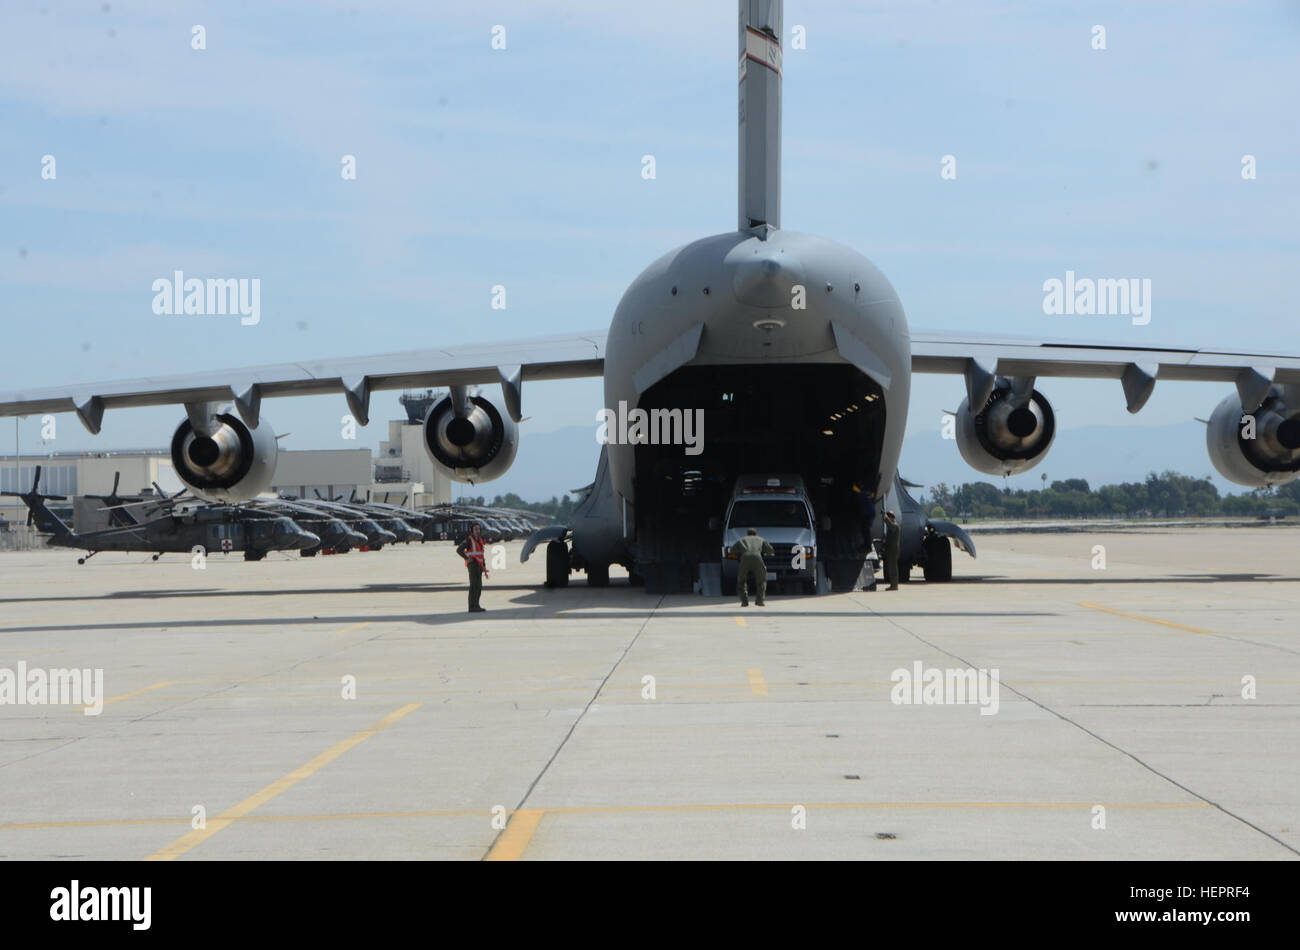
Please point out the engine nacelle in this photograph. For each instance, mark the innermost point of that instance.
(475, 445)
(233, 464)
(1261, 448)
(1011, 434)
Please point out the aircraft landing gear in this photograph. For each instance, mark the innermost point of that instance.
(597, 575)
(157, 556)
(83, 560)
(938, 560)
(557, 564)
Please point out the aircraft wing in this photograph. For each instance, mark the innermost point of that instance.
(982, 358)
(554, 357)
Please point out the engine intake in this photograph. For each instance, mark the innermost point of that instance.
(1011, 434)
(233, 463)
(476, 444)
(1261, 448)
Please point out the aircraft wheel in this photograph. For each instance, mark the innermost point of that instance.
(81, 560)
(904, 572)
(557, 564)
(938, 560)
(597, 575)
(156, 556)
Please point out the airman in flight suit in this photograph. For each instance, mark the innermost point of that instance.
(751, 549)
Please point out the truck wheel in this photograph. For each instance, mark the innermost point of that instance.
(597, 575)
(938, 560)
(557, 564)
(728, 586)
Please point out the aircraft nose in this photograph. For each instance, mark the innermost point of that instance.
(307, 540)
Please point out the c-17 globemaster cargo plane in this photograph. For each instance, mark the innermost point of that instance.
(787, 352)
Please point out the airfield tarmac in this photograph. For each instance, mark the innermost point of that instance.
(1120, 687)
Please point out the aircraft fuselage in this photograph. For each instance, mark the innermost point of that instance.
(792, 350)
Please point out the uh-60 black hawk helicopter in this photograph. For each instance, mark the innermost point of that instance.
(167, 526)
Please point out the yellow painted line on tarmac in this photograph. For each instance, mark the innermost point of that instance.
(355, 626)
(1163, 623)
(186, 820)
(741, 622)
(590, 809)
(514, 840)
(757, 685)
(146, 689)
(199, 835)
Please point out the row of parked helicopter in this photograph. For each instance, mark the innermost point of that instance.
(163, 524)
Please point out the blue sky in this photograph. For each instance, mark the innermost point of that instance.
(522, 167)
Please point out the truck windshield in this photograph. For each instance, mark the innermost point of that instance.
(768, 514)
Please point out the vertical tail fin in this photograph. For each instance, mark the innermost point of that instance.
(760, 114)
(46, 521)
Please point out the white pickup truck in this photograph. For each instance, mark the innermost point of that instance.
(778, 508)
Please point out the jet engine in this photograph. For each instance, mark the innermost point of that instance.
(469, 438)
(233, 462)
(1011, 434)
(1260, 448)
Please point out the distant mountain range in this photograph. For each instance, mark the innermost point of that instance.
(555, 462)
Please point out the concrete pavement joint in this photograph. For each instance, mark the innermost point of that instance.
(532, 785)
(1064, 718)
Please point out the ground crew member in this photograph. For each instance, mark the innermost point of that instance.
(471, 549)
(891, 550)
(750, 549)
